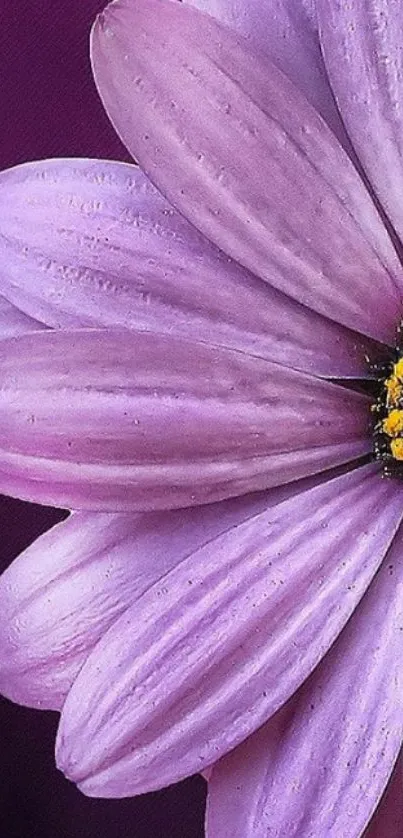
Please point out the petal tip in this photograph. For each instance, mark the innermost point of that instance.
(64, 760)
(105, 18)
(102, 24)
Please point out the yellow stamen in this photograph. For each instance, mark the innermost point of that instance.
(398, 369)
(394, 390)
(396, 447)
(393, 424)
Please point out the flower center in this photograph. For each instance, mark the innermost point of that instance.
(388, 412)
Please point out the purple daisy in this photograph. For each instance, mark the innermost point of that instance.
(196, 374)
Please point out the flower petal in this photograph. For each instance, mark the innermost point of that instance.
(136, 420)
(211, 652)
(286, 32)
(321, 767)
(15, 322)
(362, 45)
(92, 243)
(242, 154)
(60, 596)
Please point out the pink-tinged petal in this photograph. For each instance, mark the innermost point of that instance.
(108, 420)
(320, 767)
(61, 595)
(387, 821)
(286, 32)
(209, 653)
(15, 322)
(87, 243)
(362, 45)
(243, 155)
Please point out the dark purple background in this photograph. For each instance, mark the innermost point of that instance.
(49, 108)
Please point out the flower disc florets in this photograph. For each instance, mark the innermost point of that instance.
(388, 410)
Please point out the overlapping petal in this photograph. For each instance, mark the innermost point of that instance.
(321, 766)
(92, 243)
(62, 594)
(222, 642)
(362, 45)
(127, 420)
(15, 322)
(286, 32)
(235, 146)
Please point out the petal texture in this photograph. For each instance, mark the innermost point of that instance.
(361, 42)
(286, 32)
(235, 146)
(61, 595)
(128, 420)
(225, 639)
(88, 243)
(321, 766)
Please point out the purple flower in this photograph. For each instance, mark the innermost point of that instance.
(205, 362)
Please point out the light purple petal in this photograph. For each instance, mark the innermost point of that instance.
(224, 640)
(321, 766)
(387, 821)
(286, 32)
(15, 322)
(87, 243)
(362, 44)
(136, 420)
(243, 155)
(60, 596)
